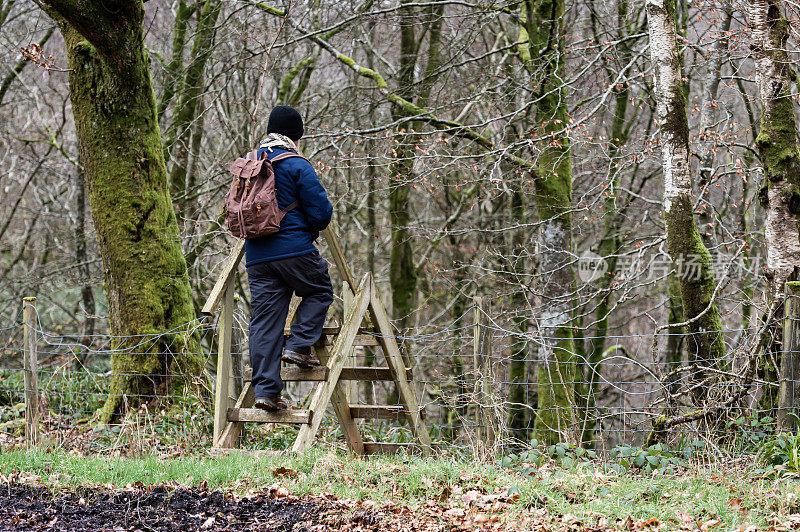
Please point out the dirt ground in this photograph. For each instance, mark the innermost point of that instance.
(164, 508)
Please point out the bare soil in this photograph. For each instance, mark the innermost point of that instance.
(166, 508)
(25, 507)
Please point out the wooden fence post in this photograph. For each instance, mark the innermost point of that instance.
(30, 364)
(481, 346)
(221, 396)
(789, 394)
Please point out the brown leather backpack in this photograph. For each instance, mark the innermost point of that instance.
(251, 203)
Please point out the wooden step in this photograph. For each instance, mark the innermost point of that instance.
(319, 374)
(295, 373)
(256, 415)
(331, 330)
(369, 373)
(217, 452)
(376, 412)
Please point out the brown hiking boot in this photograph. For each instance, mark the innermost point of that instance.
(271, 404)
(303, 361)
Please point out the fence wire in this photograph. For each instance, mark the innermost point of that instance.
(505, 390)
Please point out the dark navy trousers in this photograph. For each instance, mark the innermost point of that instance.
(271, 287)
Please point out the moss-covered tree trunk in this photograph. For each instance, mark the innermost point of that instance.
(403, 274)
(122, 155)
(777, 144)
(543, 49)
(693, 261)
(779, 194)
(519, 404)
(608, 248)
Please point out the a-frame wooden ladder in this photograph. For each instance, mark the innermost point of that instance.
(230, 413)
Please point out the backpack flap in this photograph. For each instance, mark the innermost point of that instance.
(247, 167)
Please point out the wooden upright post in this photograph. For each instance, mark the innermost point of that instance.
(484, 414)
(789, 394)
(221, 396)
(31, 377)
(477, 365)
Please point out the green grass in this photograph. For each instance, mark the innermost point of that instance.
(552, 494)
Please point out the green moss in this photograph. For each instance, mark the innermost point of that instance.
(705, 343)
(763, 140)
(288, 79)
(349, 61)
(553, 185)
(271, 10)
(555, 414)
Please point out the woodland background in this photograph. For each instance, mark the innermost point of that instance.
(470, 150)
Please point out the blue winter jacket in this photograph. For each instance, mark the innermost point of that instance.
(295, 179)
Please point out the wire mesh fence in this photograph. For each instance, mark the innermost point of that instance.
(480, 383)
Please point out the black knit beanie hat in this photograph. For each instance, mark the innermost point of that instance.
(286, 121)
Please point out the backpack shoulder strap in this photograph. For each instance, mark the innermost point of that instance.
(285, 155)
(291, 206)
(281, 157)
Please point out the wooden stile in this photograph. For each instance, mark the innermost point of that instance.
(394, 358)
(364, 308)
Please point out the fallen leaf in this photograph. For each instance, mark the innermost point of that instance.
(569, 518)
(454, 513)
(470, 497)
(735, 502)
(284, 472)
(648, 523)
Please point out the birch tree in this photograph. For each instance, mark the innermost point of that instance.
(776, 143)
(779, 194)
(689, 254)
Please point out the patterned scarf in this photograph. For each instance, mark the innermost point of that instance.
(276, 140)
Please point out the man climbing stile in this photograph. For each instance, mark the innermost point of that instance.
(287, 262)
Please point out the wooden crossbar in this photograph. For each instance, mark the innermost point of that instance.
(377, 412)
(256, 415)
(380, 412)
(365, 339)
(357, 373)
